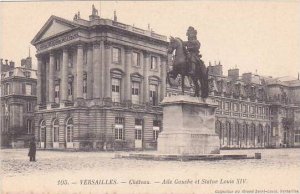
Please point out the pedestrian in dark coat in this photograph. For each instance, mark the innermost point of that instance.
(32, 150)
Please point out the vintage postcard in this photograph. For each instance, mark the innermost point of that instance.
(150, 97)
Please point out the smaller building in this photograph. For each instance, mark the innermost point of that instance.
(254, 111)
(18, 100)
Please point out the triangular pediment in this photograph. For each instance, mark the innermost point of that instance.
(54, 26)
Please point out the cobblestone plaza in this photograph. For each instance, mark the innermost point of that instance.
(51, 167)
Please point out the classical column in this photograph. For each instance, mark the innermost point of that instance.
(102, 63)
(127, 81)
(107, 83)
(39, 80)
(64, 79)
(46, 78)
(79, 71)
(163, 76)
(96, 70)
(51, 78)
(90, 72)
(145, 74)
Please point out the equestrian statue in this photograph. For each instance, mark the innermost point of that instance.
(187, 63)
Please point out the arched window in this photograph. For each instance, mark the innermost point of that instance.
(237, 133)
(29, 126)
(260, 134)
(55, 130)
(43, 131)
(228, 132)
(69, 130)
(252, 132)
(245, 132)
(268, 134)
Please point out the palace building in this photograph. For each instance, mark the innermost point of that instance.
(18, 99)
(254, 111)
(99, 84)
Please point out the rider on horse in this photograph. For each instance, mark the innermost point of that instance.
(192, 47)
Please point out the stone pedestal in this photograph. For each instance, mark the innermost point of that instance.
(188, 127)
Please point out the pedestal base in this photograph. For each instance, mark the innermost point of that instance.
(188, 127)
(188, 143)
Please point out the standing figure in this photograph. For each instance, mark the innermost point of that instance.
(94, 10)
(192, 46)
(32, 150)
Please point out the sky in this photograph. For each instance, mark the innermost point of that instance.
(255, 36)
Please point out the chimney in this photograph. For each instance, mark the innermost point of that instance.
(6, 62)
(219, 68)
(28, 62)
(23, 62)
(1, 61)
(247, 77)
(12, 64)
(115, 16)
(233, 74)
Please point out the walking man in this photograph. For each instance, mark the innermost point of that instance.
(32, 150)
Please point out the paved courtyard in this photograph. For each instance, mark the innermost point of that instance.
(99, 172)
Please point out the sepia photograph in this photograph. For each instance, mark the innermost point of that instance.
(164, 97)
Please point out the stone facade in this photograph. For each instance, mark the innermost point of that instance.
(99, 84)
(18, 100)
(254, 111)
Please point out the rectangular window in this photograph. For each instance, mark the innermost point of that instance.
(138, 132)
(29, 126)
(27, 74)
(57, 64)
(245, 108)
(153, 64)
(220, 104)
(70, 91)
(235, 107)
(29, 107)
(297, 136)
(56, 94)
(70, 62)
(119, 132)
(156, 129)
(84, 88)
(116, 55)
(28, 89)
(119, 128)
(119, 120)
(115, 89)
(135, 59)
(56, 133)
(138, 129)
(252, 109)
(135, 92)
(227, 107)
(153, 95)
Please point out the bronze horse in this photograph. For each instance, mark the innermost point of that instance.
(180, 66)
